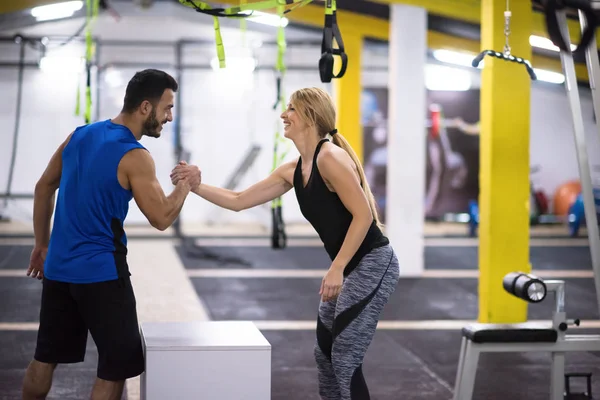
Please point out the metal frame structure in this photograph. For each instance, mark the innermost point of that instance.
(514, 335)
(593, 66)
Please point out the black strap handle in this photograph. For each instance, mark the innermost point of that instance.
(217, 12)
(278, 235)
(220, 12)
(331, 31)
(477, 60)
(278, 93)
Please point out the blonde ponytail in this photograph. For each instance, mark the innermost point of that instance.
(316, 107)
(340, 141)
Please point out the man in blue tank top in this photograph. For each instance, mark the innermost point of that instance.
(83, 264)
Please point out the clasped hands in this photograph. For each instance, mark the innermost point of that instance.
(190, 174)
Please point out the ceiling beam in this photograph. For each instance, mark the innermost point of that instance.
(312, 15)
(465, 10)
(375, 28)
(470, 11)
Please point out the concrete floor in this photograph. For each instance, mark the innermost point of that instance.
(414, 354)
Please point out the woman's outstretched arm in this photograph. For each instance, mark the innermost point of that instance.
(275, 185)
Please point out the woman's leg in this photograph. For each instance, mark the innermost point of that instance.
(328, 386)
(364, 294)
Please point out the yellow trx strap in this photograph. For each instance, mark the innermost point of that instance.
(219, 42)
(278, 235)
(92, 7)
(244, 10)
(243, 26)
(280, 70)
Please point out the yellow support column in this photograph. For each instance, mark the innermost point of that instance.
(348, 92)
(504, 161)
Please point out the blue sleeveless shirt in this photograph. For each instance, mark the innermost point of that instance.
(88, 243)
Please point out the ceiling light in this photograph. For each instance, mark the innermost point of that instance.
(456, 58)
(544, 43)
(549, 76)
(64, 65)
(267, 19)
(438, 77)
(56, 11)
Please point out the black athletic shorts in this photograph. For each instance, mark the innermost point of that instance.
(107, 310)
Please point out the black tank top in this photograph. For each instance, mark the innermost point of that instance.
(328, 215)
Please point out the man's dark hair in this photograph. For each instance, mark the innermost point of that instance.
(149, 84)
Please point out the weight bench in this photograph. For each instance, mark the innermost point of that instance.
(548, 337)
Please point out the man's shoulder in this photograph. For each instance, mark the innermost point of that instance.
(136, 159)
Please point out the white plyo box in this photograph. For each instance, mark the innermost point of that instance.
(208, 360)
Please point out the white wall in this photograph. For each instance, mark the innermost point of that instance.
(552, 140)
(47, 117)
(222, 116)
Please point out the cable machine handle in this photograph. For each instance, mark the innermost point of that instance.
(477, 60)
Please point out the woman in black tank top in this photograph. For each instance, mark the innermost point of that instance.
(335, 198)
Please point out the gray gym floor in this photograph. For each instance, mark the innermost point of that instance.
(278, 289)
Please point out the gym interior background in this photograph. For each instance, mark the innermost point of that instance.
(219, 265)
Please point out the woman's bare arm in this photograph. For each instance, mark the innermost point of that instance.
(275, 185)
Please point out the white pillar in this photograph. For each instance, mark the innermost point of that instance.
(406, 136)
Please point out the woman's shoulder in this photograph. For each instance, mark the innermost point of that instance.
(331, 155)
(287, 170)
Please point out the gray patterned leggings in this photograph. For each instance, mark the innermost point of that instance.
(345, 326)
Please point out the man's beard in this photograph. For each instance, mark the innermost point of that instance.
(151, 126)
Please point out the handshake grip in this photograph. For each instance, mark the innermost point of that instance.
(183, 171)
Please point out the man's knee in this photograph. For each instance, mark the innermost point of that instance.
(107, 390)
(38, 380)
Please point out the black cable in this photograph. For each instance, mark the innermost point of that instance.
(188, 244)
(73, 36)
(177, 130)
(21, 70)
(278, 234)
(13, 158)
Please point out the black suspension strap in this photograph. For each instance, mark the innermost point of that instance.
(551, 9)
(331, 31)
(506, 54)
(278, 233)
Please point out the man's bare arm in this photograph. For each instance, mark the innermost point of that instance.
(159, 209)
(45, 190)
